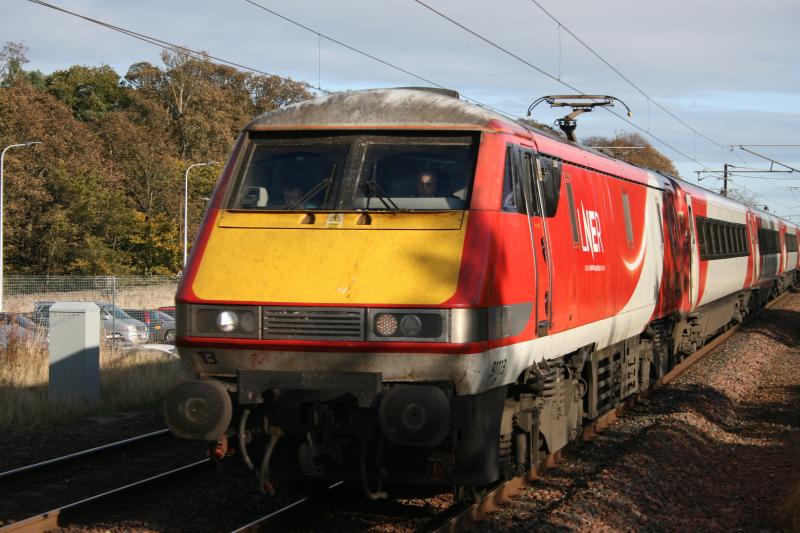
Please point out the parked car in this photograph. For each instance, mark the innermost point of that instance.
(11, 332)
(20, 325)
(116, 323)
(161, 326)
(18, 319)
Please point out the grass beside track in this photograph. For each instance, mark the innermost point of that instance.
(129, 381)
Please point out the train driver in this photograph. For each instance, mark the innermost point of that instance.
(427, 184)
(292, 193)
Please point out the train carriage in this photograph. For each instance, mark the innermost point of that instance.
(398, 286)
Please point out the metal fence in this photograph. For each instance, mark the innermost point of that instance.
(140, 292)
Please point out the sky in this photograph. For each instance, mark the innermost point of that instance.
(701, 77)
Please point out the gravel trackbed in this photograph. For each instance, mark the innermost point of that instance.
(716, 450)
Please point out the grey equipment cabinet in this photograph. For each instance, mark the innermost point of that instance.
(74, 351)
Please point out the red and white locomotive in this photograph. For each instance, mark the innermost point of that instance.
(398, 286)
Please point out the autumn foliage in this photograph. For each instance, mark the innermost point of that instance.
(103, 193)
(634, 149)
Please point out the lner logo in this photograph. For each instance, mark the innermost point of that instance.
(591, 236)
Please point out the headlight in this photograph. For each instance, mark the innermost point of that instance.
(218, 321)
(413, 325)
(385, 325)
(227, 321)
(131, 329)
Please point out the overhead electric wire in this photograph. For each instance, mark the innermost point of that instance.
(554, 78)
(773, 180)
(670, 113)
(754, 193)
(771, 160)
(623, 76)
(206, 56)
(171, 46)
(377, 59)
(740, 174)
(765, 178)
(758, 195)
(436, 84)
(572, 87)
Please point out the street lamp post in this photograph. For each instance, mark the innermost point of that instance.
(2, 161)
(186, 206)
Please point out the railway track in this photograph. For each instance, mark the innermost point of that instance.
(459, 517)
(96, 505)
(68, 514)
(261, 523)
(463, 516)
(53, 482)
(54, 466)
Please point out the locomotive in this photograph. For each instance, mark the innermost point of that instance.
(397, 286)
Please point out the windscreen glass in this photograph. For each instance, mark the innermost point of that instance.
(410, 175)
(356, 172)
(295, 175)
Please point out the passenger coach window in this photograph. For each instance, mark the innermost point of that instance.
(701, 236)
(768, 241)
(719, 239)
(791, 242)
(729, 239)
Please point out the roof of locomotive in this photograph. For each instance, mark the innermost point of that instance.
(383, 108)
(429, 108)
(423, 108)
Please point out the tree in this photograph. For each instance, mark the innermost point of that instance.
(60, 198)
(744, 197)
(12, 58)
(103, 194)
(91, 92)
(634, 149)
(268, 93)
(541, 126)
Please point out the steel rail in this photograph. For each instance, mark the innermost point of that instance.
(681, 367)
(256, 525)
(462, 516)
(52, 519)
(98, 450)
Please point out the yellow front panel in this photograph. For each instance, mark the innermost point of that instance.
(400, 258)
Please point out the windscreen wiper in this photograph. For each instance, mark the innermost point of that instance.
(326, 183)
(373, 189)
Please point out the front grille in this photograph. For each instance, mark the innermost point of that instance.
(313, 323)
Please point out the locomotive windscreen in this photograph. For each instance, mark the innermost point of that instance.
(356, 172)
